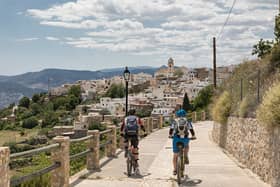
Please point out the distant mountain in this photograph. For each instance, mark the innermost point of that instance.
(11, 92)
(58, 77)
(14, 87)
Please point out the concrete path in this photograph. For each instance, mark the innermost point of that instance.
(209, 166)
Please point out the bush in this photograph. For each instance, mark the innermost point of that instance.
(203, 99)
(36, 108)
(50, 119)
(96, 126)
(75, 90)
(24, 102)
(116, 91)
(30, 123)
(275, 58)
(142, 113)
(246, 106)
(269, 110)
(35, 98)
(222, 108)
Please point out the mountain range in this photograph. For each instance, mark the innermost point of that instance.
(12, 88)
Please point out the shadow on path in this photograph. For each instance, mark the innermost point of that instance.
(190, 182)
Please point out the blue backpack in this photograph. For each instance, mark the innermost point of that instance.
(131, 126)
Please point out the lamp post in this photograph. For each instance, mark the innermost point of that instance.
(126, 75)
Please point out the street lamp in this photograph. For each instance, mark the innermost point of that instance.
(126, 75)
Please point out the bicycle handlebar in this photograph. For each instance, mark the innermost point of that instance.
(191, 138)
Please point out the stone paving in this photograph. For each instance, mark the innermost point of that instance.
(209, 166)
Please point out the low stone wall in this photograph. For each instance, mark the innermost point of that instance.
(253, 144)
(59, 130)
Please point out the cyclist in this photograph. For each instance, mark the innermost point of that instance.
(130, 132)
(179, 131)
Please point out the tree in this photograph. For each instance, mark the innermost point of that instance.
(262, 48)
(59, 102)
(179, 73)
(30, 123)
(75, 90)
(73, 101)
(50, 119)
(116, 91)
(203, 99)
(142, 113)
(186, 103)
(36, 108)
(24, 102)
(35, 98)
(277, 29)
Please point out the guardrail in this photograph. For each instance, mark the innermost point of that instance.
(60, 153)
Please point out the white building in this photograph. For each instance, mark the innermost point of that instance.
(163, 111)
(141, 78)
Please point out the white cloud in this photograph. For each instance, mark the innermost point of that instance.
(27, 39)
(51, 38)
(162, 28)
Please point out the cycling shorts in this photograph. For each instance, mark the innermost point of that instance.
(177, 139)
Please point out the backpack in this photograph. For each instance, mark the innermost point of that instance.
(131, 126)
(182, 129)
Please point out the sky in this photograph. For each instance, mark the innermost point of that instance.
(98, 34)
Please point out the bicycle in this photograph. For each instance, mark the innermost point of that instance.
(131, 162)
(180, 167)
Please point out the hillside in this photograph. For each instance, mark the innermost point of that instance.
(11, 92)
(14, 87)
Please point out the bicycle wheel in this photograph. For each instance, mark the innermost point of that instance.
(178, 168)
(129, 164)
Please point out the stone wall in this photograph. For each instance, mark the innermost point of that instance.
(253, 144)
(59, 130)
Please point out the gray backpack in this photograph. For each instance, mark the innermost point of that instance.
(131, 126)
(181, 127)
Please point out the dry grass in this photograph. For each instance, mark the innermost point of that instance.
(269, 110)
(222, 108)
(14, 136)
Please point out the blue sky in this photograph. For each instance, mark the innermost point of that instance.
(97, 34)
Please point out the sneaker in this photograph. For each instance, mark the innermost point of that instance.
(187, 160)
(174, 172)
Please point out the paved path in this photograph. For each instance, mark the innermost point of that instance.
(209, 166)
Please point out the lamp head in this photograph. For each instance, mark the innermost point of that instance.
(126, 74)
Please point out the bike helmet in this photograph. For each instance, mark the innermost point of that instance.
(181, 113)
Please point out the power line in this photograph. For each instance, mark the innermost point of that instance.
(230, 11)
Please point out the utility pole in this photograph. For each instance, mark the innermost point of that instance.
(258, 89)
(214, 63)
(241, 89)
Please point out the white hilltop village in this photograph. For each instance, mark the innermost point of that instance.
(164, 91)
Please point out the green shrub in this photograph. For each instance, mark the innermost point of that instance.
(35, 98)
(269, 110)
(222, 108)
(96, 126)
(30, 123)
(24, 102)
(203, 99)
